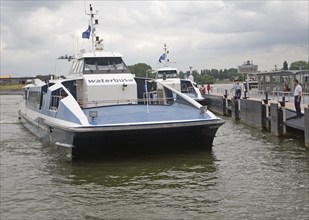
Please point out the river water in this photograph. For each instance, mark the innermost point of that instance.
(249, 174)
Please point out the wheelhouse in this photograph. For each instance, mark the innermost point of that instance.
(99, 65)
(167, 73)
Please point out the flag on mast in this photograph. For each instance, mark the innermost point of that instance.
(86, 34)
(162, 57)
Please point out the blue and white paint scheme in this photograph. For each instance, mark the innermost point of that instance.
(170, 76)
(101, 102)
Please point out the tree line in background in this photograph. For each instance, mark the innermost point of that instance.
(211, 75)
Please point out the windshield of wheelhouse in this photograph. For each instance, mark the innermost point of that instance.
(167, 73)
(101, 65)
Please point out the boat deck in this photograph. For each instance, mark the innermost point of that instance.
(143, 114)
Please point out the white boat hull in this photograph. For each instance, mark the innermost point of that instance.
(91, 141)
(101, 105)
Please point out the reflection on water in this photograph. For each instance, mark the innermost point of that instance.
(249, 174)
(143, 168)
(145, 185)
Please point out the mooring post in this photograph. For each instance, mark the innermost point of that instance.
(235, 108)
(306, 120)
(274, 115)
(282, 103)
(238, 102)
(266, 96)
(226, 102)
(267, 115)
(223, 105)
(266, 110)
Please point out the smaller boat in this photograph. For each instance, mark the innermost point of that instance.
(252, 84)
(170, 76)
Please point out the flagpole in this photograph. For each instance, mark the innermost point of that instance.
(92, 27)
(91, 24)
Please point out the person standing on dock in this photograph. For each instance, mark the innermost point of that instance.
(208, 87)
(238, 90)
(202, 89)
(297, 97)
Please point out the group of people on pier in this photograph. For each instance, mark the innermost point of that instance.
(297, 94)
(203, 88)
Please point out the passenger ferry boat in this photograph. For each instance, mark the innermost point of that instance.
(170, 76)
(101, 103)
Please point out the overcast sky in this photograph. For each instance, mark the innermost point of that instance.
(201, 34)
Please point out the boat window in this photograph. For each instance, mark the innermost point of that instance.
(168, 73)
(75, 64)
(90, 65)
(80, 66)
(99, 65)
(56, 96)
(34, 98)
(75, 69)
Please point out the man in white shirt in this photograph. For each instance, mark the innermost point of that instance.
(297, 97)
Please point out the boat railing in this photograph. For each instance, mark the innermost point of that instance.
(156, 97)
(151, 98)
(98, 103)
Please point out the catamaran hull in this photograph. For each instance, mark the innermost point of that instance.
(151, 139)
(60, 137)
(93, 141)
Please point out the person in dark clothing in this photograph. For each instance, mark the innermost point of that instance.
(238, 91)
(297, 97)
(208, 87)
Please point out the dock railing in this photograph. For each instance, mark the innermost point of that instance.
(259, 94)
(278, 96)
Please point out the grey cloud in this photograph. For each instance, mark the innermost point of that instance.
(195, 30)
(24, 6)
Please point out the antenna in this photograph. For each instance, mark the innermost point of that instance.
(73, 43)
(110, 42)
(85, 6)
(92, 25)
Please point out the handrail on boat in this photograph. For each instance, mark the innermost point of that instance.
(185, 97)
(151, 97)
(98, 103)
